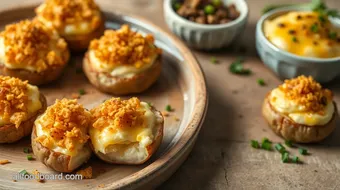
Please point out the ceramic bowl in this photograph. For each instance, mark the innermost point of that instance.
(204, 36)
(287, 65)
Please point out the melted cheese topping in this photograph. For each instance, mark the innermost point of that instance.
(33, 104)
(304, 34)
(297, 111)
(104, 138)
(126, 71)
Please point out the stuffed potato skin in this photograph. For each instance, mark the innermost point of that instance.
(55, 160)
(9, 133)
(150, 149)
(120, 85)
(283, 126)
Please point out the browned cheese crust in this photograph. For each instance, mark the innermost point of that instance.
(9, 133)
(122, 86)
(283, 126)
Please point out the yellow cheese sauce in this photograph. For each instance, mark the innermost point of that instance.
(304, 33)
(33, 105)
(102, 139)
(296, 112)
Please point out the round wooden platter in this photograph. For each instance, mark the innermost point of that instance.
(181, 85)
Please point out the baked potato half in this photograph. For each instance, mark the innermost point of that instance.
(284, 126)
(126, 131)
(20, 105)
(9, 133)
(122, 62)
(77, 21)
(301, 110)
(31, 51)
(60, 136)
(118, 85)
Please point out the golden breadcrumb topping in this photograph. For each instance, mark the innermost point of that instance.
(28, 43)
(86, 173)
(62, 12)
(124, 47)
(67, 123)
(13, 100)
(118, 113)
(2, 162)
(306, 91)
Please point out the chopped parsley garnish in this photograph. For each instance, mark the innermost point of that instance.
(314, 28)
(266, 140)
(23, 172)
(280, 148)
(255, 144)
(285, 157)
(289, 143)
(303, 151)
(294, 39)
(213, 60)
(29, 157)
(237, 68)
(168, 108)
(296, 159)
(82, 92)
(261, 82)
(149, 104)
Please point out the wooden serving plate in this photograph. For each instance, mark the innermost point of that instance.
(181, 85)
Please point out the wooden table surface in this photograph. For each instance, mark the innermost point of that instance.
(222, 157)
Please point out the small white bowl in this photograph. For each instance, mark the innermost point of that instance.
(287, 65)
(206, 36)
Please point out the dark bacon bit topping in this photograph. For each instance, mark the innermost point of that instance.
(299, 17)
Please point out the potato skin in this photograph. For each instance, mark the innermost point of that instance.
(122, 86)
(152, 148)
(55, 160)
(283, 126)
(35, 78)
(9, 133)
(80, 42)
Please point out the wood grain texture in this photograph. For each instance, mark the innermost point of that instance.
(222, 157)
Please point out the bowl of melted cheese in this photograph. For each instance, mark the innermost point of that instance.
(295, 42)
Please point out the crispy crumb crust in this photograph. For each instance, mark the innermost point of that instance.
(35, 78)
(151, 149)
(283, 126)
(80, 42)
(122, 86)
(55, 160)
(9, 133)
